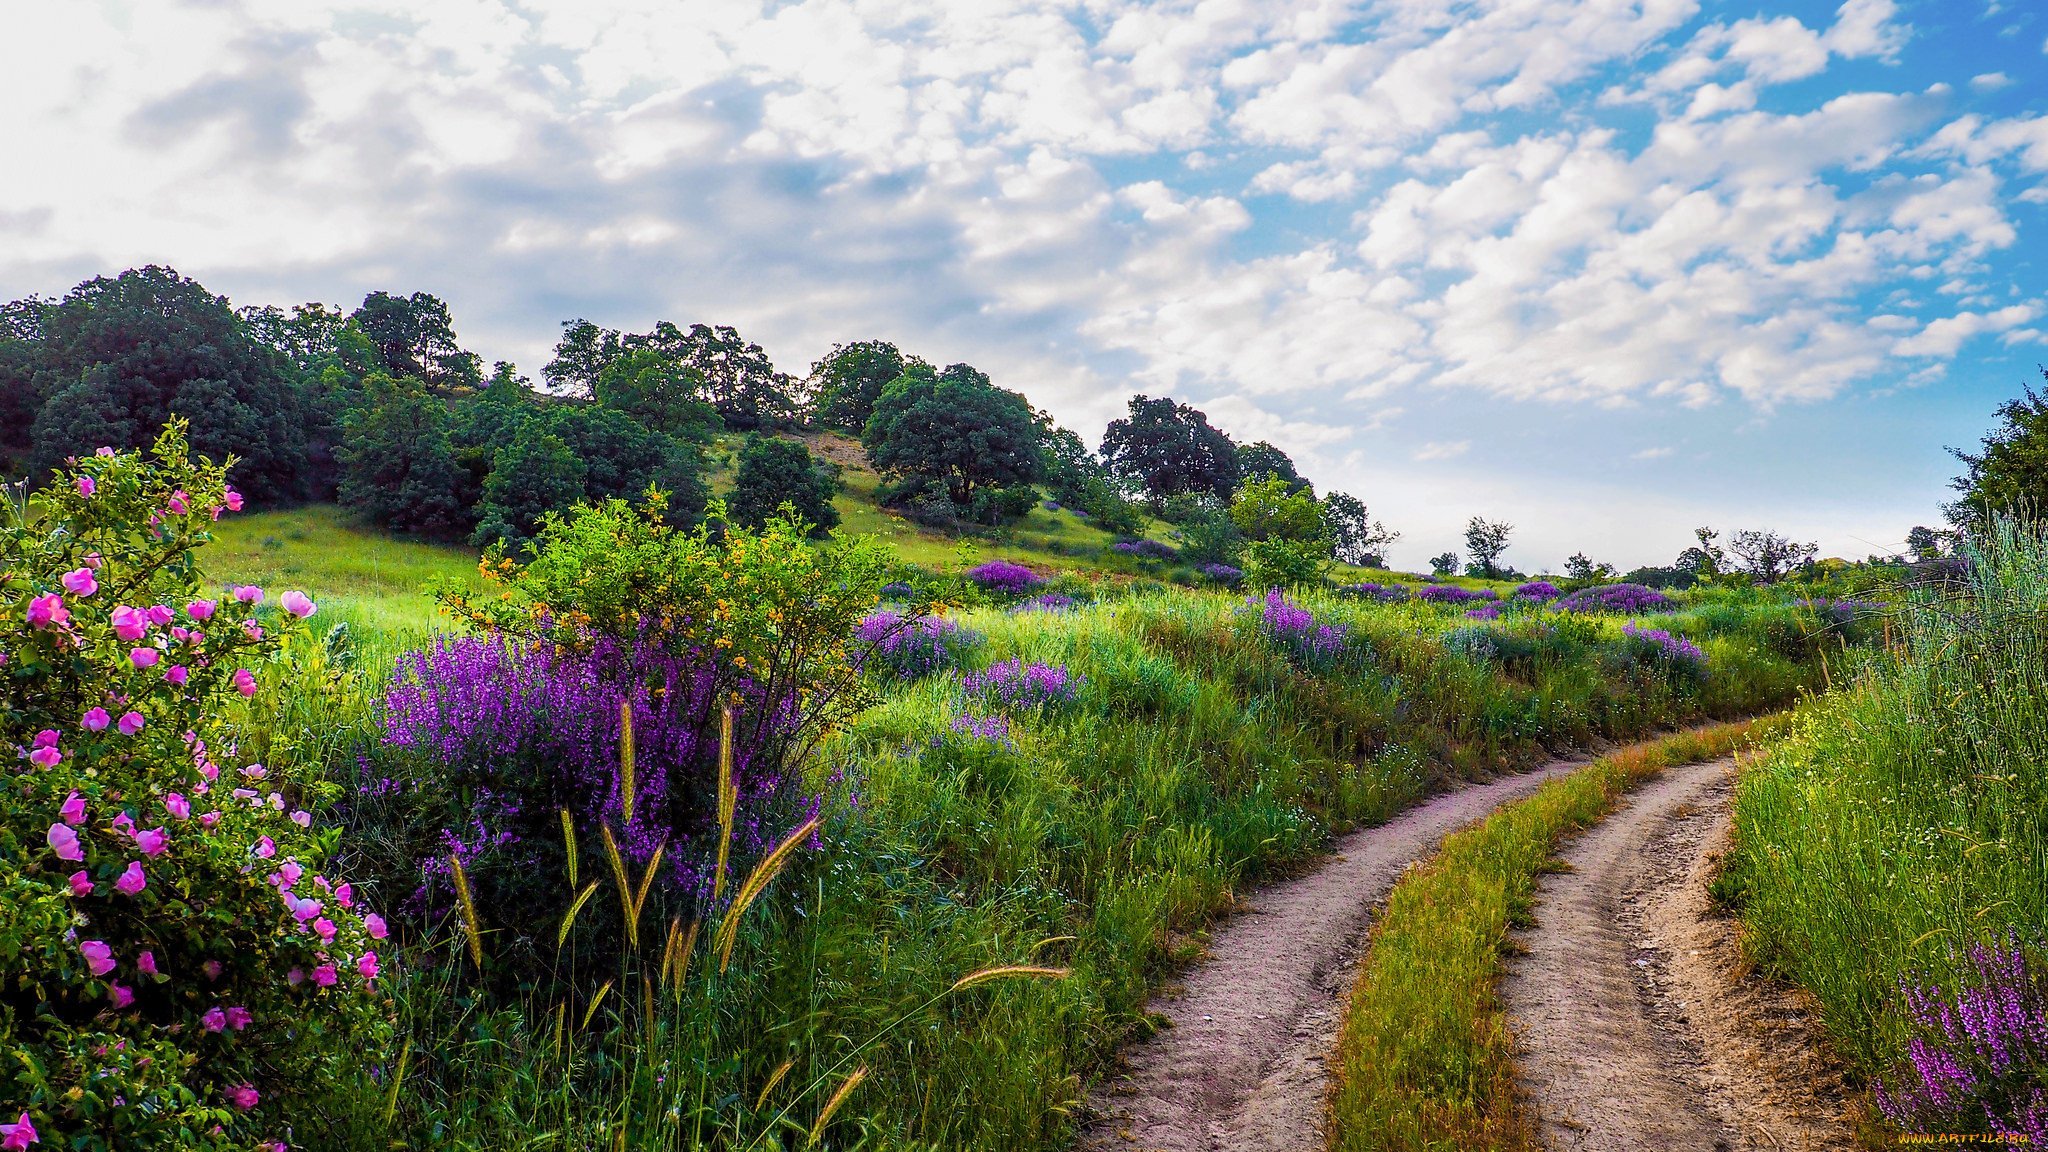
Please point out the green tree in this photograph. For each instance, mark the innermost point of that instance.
(1443, 563)
(2009, 472)
(397, 465)
(846, 382)
(415, 336)
(773, 473)
(1581, 569)
(21, 331)
(1486, 540)
(533, 476)
(954, 432)
(125, 353)
(739, 380)
(1261, 460)
(1167, 448)
(659, 392)
(581, 356)
(1288, 537)
(1355, 537)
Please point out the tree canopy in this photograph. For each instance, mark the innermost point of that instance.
(956, 432)
(2009, 472)
(774, 472)
(846, 382)
(415, 336)
(1167, 448)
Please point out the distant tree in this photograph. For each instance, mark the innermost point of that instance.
(507, 386)
(1768, 557)
(2009, 473)
(415, 336)
(1654, 577)
(397, 465)
(1207, 535)
(1486, 540)
(581, 356)
(118, 357)
(846, 382)
(657, 391)
(1167, 448)
(1443, 563)
(739, 380)
(1261, 460)
(1926, 543)
(775, 472)
(21, 333)
(1069, 465)
(534, 475)
(1706, 559)
(1582, 569)
(955, 432)
(1355, 537)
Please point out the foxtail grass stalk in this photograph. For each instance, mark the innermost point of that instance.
(569, 917)
(626, 782)
(569, 843)
(757, 881)
(470, 932)
(611, 851)
(832, 1105)
(727, 797)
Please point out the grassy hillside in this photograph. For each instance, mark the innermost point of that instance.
(376, 580)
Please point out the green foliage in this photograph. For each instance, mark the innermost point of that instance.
(1262, 461)
(531, 478)
(1486, 540)
(2008, 474)
(155, 992)
(1288, 537)
(118, 357)
(775, 472)
(658, 392)
(1169, 449)
(1906, 815)
(953, 433)
(415, 336)
(1355, 537)
(398, 466)
(1205, 532)
(847, 381)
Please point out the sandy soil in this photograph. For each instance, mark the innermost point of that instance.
(1242, 1067)
(1639, 1024)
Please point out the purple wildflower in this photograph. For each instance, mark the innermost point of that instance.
(913, 647)
(1627, 599)
(1046, 602)
(1015, 684)
(1384, 593)
(1223, 574)
(1295, 629)
(1542, 590)
(1147, 549)
(1006, 577)
(1664, 646)
(1452, 594)
(1979, 1059)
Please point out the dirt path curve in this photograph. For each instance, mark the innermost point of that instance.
(1241, 1069)
(1639, 1026)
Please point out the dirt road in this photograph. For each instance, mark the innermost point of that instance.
(1242, 1067)
(1638, 1024)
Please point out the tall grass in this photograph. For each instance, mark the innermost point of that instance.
(1098, 837)
(1425, 1057)
(1906, 815)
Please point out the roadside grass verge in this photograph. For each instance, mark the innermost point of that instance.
(1903, 823)
(1425, 1056)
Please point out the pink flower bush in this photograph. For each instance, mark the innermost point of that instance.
(121, 714)
(297, 604)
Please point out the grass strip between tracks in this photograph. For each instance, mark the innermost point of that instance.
(1425, 1059)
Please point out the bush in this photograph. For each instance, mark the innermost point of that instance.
(179, 972)
(1013, 683)
(914, 646)
(1979, 1053)
(1542, 590)
(1654, 647)
(773, 473)
(1149, 550)
(1625, 599)
(1295, 630)
(1004, 577)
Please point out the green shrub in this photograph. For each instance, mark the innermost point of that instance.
(178, 972)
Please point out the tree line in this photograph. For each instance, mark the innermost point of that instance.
(383, 410)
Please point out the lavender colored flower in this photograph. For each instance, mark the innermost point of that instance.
(1384, 593)
(1662, 645)
(1452, 594)
(992, 729)
(1542, 590)
(1295, 630)
(1013, 683)
(1626, 599)
(1147, 549)
(1224, 574)
(1052, 505)
(1006, 577)
(1484, 612)
(1978, 1062)
(913, 647)
(897, 590)
(1843, 611)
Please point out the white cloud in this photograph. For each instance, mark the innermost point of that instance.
(1990, 81)
(1443, 449)
(1942, 337)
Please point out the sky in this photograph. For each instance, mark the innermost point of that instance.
(1605, 269)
